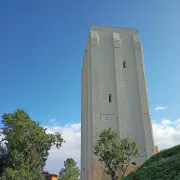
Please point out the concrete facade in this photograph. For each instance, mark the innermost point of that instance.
(114, 95)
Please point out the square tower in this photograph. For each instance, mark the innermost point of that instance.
(114, 95)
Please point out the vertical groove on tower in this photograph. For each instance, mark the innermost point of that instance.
(119, 85)
(95, 166)
(143, 97)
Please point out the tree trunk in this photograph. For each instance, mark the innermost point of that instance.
(125, 171)
(113, 178)
(113, 174)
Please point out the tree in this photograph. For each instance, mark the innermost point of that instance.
(114, 154)
(3, 155)
(27, 144)
(128, 151)
(70, 172)
(21, 174)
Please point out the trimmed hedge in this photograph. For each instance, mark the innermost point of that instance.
(164, 165)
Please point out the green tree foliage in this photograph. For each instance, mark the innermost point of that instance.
(114, 154)
(46, 176)
(128, 151)
(164, 165)
(27, 144)
(70, 172)
(21, 174)
(3, 155)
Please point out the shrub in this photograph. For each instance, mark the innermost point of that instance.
(163, 165)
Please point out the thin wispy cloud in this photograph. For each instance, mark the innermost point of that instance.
(53, 122)
(158, 108)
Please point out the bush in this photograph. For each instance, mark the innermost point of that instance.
(22, 174)
(163, 165)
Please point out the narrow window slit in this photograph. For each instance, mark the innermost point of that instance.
(110, 98)
(124, 64)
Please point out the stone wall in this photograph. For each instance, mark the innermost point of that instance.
(104, 75)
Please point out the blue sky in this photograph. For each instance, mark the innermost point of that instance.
(42, 44)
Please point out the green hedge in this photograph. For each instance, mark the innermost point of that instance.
(164, 165)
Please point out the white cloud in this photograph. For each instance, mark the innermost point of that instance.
(2, 141)
(166, 134)
(52, 120)
(177, 121)
(161, 108)
(166, 122)
(71, 148)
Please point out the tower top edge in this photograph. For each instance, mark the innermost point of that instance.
(113, 28)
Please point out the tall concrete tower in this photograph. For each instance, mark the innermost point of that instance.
(113, 95)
